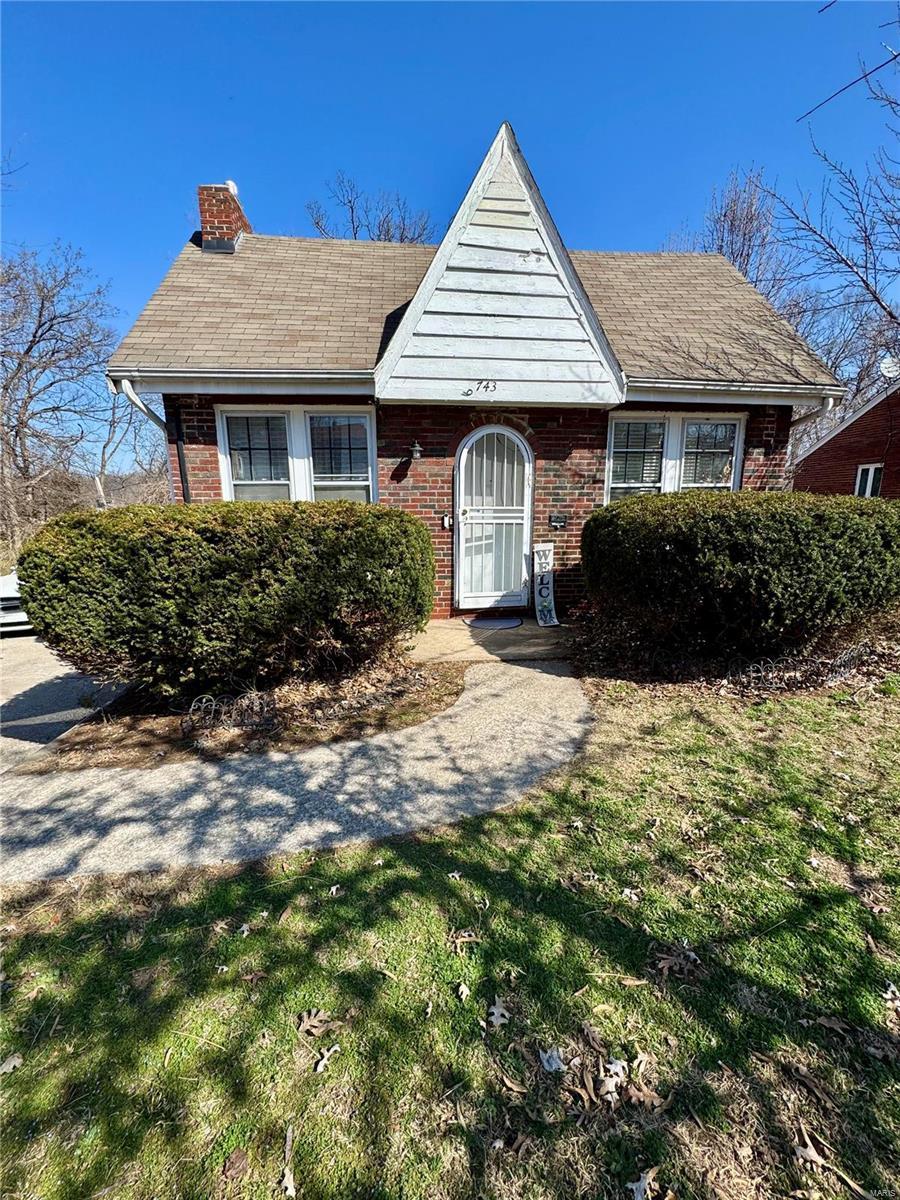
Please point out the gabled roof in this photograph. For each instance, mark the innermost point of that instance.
(311, 305)
(501, 310)
(891, 390)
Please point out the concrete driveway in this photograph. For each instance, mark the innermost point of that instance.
(40, 696)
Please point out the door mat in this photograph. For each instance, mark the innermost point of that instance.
(493, 622)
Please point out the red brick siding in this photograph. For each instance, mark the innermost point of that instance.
(874, 437)
(198, 419)
(569, 448)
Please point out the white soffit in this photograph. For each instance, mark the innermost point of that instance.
(501, 316)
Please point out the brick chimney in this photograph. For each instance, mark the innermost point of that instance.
(222, 220)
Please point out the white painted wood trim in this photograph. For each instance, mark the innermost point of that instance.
(299, 455)
(870, 467)
(673, 443)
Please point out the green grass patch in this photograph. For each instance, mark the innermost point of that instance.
(707, 887)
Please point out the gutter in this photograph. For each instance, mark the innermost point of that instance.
(808, 393)
(826, 404)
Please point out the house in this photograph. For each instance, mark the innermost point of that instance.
(498, 385)
(860, 456)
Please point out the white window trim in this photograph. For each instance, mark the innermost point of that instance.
(673, 444)
(300, 468)
(871, 468)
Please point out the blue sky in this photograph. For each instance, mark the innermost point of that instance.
(627, 113)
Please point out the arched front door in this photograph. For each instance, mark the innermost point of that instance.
(493, 519)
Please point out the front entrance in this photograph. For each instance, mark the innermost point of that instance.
(494, 472)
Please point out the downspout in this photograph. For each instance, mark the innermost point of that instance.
(826, 404)
(124, 388)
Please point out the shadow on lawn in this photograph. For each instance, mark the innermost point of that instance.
(127, 976)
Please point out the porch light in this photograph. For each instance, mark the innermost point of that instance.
(415, 452)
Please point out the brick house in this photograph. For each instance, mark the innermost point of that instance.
(861, 456)
(498, 385)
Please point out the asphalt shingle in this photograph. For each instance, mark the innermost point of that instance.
(285, 303)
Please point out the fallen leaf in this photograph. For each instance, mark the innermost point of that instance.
(244, 930)
(592, 1037)
(315, 1022)
(644, 1188)
(464, 992)
(12, 1063)
(834, 1023)
(286, 914)
(325, 1058)
(253, 977)
(498, 1014)
(429, 1009)
(287, 1179)
(335, 890)
(455, 875)
(463, 937)
(236, 1164)
(513, 1084)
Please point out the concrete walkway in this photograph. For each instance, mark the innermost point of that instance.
(452, 640)
(513, 723)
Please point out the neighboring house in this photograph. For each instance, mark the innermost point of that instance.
(861, 457)
(498, 385)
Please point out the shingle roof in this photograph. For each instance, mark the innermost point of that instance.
(285, 303)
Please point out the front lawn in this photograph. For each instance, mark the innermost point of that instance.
(697, 924)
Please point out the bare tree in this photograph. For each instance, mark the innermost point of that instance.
(740, 224)
(745, 221)
(55, 404)
(353, 213)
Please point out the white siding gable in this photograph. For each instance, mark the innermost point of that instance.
(501, 316)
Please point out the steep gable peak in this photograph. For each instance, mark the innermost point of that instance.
(501, 315)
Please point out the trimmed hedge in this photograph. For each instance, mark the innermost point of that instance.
(741, 573)
(178, 598)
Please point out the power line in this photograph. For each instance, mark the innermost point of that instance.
(865, 75)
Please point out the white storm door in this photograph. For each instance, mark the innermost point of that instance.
(493, 520)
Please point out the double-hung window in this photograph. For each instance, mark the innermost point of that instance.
(637, 458)
(670, 451)
(868, 479)
(708, 458)
(339, 446)
(296, 454)
(258, 456)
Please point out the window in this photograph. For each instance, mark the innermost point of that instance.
(665, 452)
(339, 446)
(296, 453)
(708, 460)
(637, 458)
(258, 456)
(868, 479)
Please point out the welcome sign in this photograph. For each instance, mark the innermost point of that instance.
(544, 604)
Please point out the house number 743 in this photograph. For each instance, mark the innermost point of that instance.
(483, 385)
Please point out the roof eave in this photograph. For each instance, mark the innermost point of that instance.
(228, 380)
(750, 391)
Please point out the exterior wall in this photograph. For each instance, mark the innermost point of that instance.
(872, 438)
(569, 447)
(568, 444)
